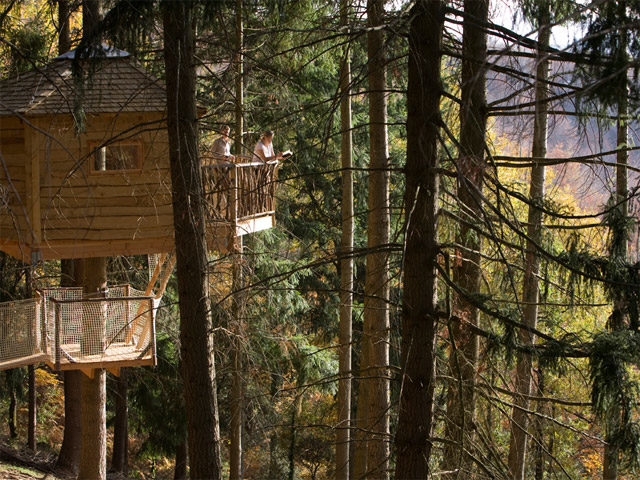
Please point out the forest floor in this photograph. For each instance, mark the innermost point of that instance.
(26, 465)
(19, 463)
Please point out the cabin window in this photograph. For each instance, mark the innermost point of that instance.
(116, 156)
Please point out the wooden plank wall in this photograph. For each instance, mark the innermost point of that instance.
(12, 206)
(78, 205)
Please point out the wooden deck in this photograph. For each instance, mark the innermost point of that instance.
(115, 356)
(22, 361)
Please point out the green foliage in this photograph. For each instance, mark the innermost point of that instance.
(611, 41)
(31, 48)
(156, 402)
(620, 226)
(615, 393)
(559, 9)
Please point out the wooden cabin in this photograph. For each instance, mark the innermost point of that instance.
(84, 172)
(106, 191)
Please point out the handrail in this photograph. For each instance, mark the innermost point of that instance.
(101, 299)
(239, 191)
(220, 164)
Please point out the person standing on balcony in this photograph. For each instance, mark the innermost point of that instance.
(221, 147)
(264, 148)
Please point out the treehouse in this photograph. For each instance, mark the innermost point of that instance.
(85, 173)
(104, 189)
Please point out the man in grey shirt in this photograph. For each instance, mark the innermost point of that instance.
(221, 147)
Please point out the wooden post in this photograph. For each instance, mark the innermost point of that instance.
(57, 333)
(234, 198)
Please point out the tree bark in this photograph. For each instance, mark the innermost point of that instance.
(32, 423)
(276, 469)
(237, 381)
(374, 378)
(33, 407)
(343, 430)
(71, 449)
(539, 422)
(467, 272)
(91, 14)
(531, 294)
(13, 405)
(120, 456)
(197, 352)
(239, 84)
(70, 275)
(180, 471)
(93, 460)
(64, 34)
(419, 302)
(93, 456)
(619, 246)
(237, 387)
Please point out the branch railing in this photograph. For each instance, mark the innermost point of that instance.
(239, 191)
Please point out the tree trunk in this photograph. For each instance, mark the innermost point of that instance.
(70, 275)
(93, 460)
(237, 381)
(239, 86)
(71, 449)
(64, 34)
(276, 470)
(343, 430)
(292, 445)
(374, 378)
(180, 471)
(91, 14)
(539, 430)
(120, 457)
(237, 387)
(13, 405)
(619, 318)
(93, 456)
(31, 427)
(360, 440)
(531, 294)
(197, 353)
(32, 423)
(419, 303)
(467, 272)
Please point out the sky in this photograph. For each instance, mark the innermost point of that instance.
(503, 12)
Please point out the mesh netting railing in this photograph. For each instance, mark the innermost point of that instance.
(62, 328)
(101, 330)
(20, 333)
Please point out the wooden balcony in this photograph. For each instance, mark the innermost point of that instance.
(69, 332)
(239, 198)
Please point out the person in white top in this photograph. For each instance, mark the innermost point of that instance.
(264, 148)
(221, 147)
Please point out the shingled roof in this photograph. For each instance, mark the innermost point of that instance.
(119, 84)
